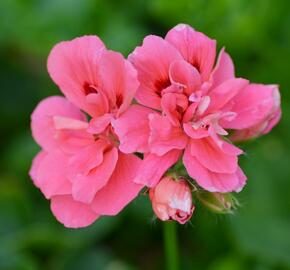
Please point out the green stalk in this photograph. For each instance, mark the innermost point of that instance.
(170, 245)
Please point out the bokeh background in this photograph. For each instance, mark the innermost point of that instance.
(257, 35)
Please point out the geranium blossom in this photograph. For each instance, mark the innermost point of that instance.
(80, 168)
(189, 104)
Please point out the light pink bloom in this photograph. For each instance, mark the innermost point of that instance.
(193, 103)
(172, 200)
(80, 168)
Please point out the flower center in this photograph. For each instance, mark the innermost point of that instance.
(119, 100)
(160, 85)
(89, 89)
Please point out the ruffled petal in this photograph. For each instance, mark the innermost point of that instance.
(87, 159)
(173, 105)
(195, 133)
(224, 69)
(120, 190)
(85, 186)
(211, 181)
(152, 61)
(164, 136)
(257, 130)
(50, 174)
(213, 157)
(33, 172)
(153, 167)
(254, 104)
(73, 66)
(132, 128)
(118, 80)
(99, 124)
(45, 125)
(195, 47)
(184, 75)
(61, 122)
(225, 92)
(70, 213)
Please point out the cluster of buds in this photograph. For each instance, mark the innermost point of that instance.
(172, 199)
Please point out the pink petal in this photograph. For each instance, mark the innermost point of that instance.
(195, 133)
(225, 92)
(73, 66)
(132, 128)
(256, 130)
(211, 181)
(252, 105)
(231, 149)
(195, 47)
(97, 100)
(152, 61)
(185, 75)
(120, 190)
(70, 213)
(99, 124)
(224, 69)
(88, 158)
(190, 112)
(212, 157)
(164, 136)
(33, 172)
(173, 105)
(51, 174)
(61, 122)
(273, 121)
(153, 167)
(119, 80)
(72, 141)
(242, 179)
(85, 186)
(42, 120)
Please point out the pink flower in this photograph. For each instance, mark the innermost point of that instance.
(172, 200)
(187, 104)
(79, 168)
(190, 103)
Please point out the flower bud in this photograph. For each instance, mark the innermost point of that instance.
(172, 200)
(221, 203)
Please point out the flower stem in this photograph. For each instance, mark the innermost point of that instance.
(170, 245)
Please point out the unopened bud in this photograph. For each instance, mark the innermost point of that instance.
(172, 200)
(221, 203)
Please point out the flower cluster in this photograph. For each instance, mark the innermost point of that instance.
(190, 108)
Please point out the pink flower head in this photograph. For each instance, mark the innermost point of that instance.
(172, 200)
(80, 168)
(190, 104)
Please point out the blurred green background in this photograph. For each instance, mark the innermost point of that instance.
(257, 35)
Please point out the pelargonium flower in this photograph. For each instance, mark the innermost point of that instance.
(191, 108)
(188, 105)
(80, 168)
